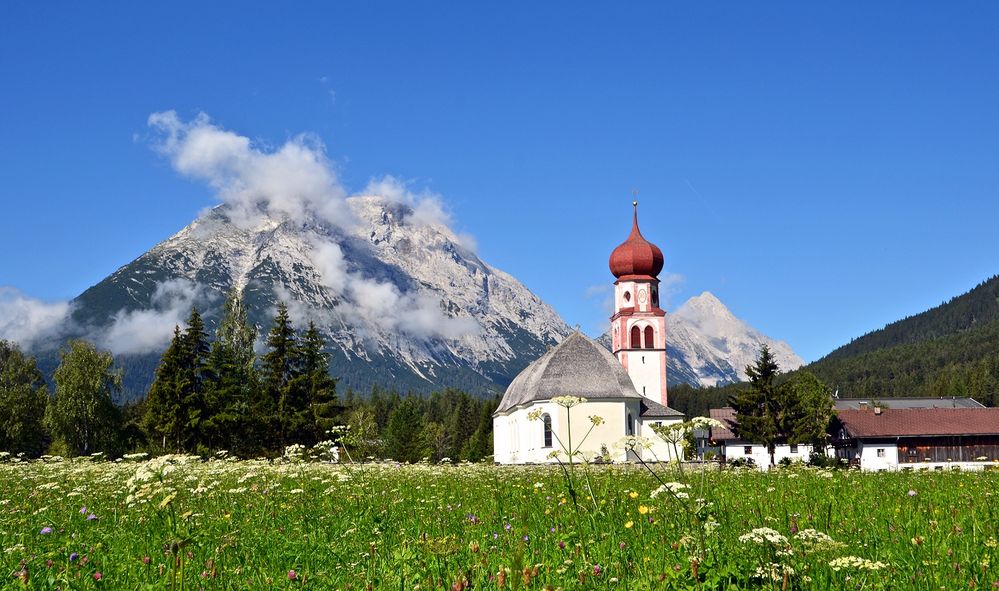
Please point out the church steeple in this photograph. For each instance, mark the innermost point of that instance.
(638, 326)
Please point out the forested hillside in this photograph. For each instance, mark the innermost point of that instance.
(969, 311)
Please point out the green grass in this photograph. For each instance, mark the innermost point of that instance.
(247, 524)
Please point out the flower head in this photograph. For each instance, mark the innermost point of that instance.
(45, 530)
(568, 401)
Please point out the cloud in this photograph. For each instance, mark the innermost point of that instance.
(297, 180)
(149, 330)
(427, 208)
(669, 286)
(368, 303)
(293, 180)
(30, 322)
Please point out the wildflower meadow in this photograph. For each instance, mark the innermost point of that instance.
(182, 522)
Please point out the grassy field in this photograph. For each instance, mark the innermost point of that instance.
(179, 522)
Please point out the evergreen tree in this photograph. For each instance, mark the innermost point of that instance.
(23, 397)
(194, 378)
(233, 384)
(315, 400)
(279, 368)
(82, 416)
(164, 413)
(176, 400)
(402, 434)
(759, 409)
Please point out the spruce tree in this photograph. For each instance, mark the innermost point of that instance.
(279, 368)
(164, 412)
(194, 378)
(315, 399)
(402, 434)
(757, 408)
(233, 383)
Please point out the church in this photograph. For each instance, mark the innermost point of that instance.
(625, 388)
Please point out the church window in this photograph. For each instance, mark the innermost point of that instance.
(636, 337)
(655, 297)
(630, 427)
(627, 296)
(546, 421)
(650, 338)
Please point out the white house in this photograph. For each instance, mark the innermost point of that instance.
(880, 438)
(733, 448)
(625, 389)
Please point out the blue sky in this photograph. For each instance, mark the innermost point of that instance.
(823, 170)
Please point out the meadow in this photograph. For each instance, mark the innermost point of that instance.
(181, 522)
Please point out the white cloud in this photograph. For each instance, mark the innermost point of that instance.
(294, 179)
(149, 330)
(368, 303)
(30, 322)
(298, 181)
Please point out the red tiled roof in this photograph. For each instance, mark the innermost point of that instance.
(727, 417)
(910, 422)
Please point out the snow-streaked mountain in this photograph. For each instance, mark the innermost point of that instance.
(716, 346)
(706, 345)
(402, 301)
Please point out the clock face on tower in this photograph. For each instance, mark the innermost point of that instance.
(642, 295)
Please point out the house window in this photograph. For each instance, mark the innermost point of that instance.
(794, 448)
(881, 452)
(636, 337)
(650, 338)
(748, 450)
(546, 421)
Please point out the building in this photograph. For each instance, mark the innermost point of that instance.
(914, 433)
(732, 448)
(917, 438)
(626, 388)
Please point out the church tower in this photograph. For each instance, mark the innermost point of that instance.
(638, 326)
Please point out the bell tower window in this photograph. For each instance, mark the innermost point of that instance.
(650, 337)
(636, 337)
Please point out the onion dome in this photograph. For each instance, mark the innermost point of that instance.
(578, 366)
(636, 257)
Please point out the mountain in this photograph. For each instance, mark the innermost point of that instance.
(949, 350)
(402, 301)
(716, 345)
(706, 345)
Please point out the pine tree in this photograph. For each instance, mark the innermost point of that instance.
(278, 369)
(757, 409)
(163, 414)
(402, 434)
(317, 389)
(82, 416)
(194, 378)
(233, 383)
(23, 397)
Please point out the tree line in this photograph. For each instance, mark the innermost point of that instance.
(219, 394)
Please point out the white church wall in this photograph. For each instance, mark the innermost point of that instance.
(645, 369)
(661, 450)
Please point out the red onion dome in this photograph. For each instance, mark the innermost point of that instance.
(636, 257)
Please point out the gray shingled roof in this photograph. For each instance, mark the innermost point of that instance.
(653, 410)
(577, 366)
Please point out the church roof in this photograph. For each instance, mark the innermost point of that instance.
(653, 410)
(636, 257)
(578, 366)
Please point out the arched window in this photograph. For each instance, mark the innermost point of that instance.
(630, 427)
(546, 422)
(650, 337)
(636, 337)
